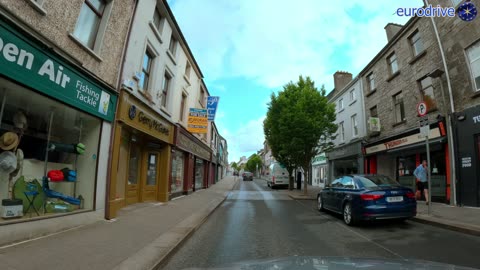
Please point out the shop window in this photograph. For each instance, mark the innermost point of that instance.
(49, 153)
(399, 108)
(199, 173)
(133, 163)
(92, 22)
(406, 166)
(177, 172)
(152, 169)
(428, 96)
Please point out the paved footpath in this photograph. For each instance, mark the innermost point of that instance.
(140, 238)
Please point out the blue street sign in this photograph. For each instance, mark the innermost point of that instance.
(212, 103)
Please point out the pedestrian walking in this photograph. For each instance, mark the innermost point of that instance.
(422, 184)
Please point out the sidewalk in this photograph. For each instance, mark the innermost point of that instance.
(139, 238)
(462, 219)
(312, 192)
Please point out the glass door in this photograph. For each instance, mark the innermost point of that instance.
(133, 173)
(150, 186)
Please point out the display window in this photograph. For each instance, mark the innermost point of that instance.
(48, 155)
(199, 173)
(177, 172)
(406, 165)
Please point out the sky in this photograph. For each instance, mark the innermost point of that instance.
(248, 49)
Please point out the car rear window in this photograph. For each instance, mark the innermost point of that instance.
(377, 180)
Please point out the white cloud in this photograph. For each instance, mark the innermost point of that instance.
(245, 140)
(274, 41)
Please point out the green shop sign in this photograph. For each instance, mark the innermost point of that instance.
(33, 65)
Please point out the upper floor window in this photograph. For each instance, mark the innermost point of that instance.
(173, 45)
(399, 108)
(341, 129)
(188, 68)
(146, 70)
(354, 125)
(158, 20)
(428, 95)
(370, 82)
(474, 60)
(373, 111)
(352, 95)
(393, 63)
(456, 2)
(89, 20)
(340, 104)
(416, 43)
(202, 97)
(183, 103)
(165, 88)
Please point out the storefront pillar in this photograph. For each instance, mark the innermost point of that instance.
(164, 173)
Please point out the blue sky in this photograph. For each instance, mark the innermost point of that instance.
(248, 49)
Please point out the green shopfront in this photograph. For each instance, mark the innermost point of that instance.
(319, 170)
(54, 119)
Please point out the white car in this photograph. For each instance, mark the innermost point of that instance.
(278, 176)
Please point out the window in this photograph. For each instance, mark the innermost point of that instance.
(88, 22)
(341, 129)
(340, 104)
(416, 43)
(352, 95)
(188, 68)
(370, 82)
(393, 64)
(173, 45)
(427, 93)
(337, 183)
(474, 60)
(399, 108)
(373, 111)
(354, 125)
(177, 172)
(182, 107)
(456, 2)
(146, 70)
(166, 84)
(158, 20)
(202, 97)
(347, 182)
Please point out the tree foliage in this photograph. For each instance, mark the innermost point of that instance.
(299, 124)
(252, 163)
(235, 166)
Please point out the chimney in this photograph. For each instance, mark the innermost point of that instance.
(340, 79)
(392, 29)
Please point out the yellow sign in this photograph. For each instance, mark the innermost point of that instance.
(198, 121)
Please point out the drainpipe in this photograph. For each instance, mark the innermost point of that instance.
(451, 152)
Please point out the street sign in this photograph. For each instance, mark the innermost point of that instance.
(424, 126)
(422, 108)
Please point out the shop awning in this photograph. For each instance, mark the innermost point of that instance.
(417, 145)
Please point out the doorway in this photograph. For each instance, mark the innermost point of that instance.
(150, 182)
(134, 159)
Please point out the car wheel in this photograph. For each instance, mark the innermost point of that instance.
(347, 215)
(320, 203)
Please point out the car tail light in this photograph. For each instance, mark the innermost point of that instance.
(370, 197)
(410, 195)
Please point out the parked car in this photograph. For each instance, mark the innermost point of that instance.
(278, 176)
(247, 176)
(367, 197)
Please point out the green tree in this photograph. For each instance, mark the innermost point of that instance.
(254, 162)
(235, 166)
(299, 125)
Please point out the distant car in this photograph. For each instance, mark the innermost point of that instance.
(235, 173)
(247, 176)
(278, 176)
(367, 197)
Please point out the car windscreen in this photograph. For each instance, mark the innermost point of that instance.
(376, 181)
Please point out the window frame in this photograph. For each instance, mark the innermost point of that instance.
(341, 127)
(376, 111)
(402, 107)
(341, 105)
(161, 21)
(164, 92)
(422, 92)
(370, 79)
(183, 103)
(476, 45)
(390, 63)
(188, 70)
(456, 4)
(354, 125)
(173, 41)
(412, 42)
(148, 52)
(201, 98)
(353, 95)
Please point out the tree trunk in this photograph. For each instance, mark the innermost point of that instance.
(305, 183)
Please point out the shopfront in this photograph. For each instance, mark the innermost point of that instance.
(52, 116)
(140, 170)
(398, 157)
(192, 155)
(467, 136)
(346, 159)
(319, 170)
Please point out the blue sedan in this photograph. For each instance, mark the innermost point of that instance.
(367, 197)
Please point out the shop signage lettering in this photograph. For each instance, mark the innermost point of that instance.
(466, 162)
(393, 144)
(187, 144)
(152, 123)
(415, 138)
(476, 119)
(197, 121)
(23, 60)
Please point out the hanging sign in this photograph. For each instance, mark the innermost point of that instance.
(212, 103)
(197, 121)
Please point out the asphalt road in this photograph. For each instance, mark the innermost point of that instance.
(256, 222)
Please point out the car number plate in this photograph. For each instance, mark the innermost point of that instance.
(395, 199)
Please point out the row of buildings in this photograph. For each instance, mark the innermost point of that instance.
(431, 60)
(103, 88)
(435, 61)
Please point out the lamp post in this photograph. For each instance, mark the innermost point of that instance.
(451, 152)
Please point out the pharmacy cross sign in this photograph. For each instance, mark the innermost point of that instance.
(422, 108)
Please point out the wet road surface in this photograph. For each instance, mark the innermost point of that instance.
(256, 222)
